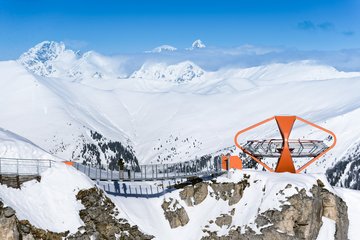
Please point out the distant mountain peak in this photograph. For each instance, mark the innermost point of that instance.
(46, 50)
(163, 48)
(37, 58)
(53, 59)
(182, 72)
(197, 44)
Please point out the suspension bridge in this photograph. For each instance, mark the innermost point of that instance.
(16, 171)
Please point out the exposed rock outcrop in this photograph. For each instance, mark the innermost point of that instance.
(197, 193)
(8, 223)
(223, 220)
(194, 195)
(175, 213)
(11, 228)
(15, 181)
(99, 216)
(300, 218)
(231, 192)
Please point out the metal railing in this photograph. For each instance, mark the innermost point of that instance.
(272, 148)
(194, 168)
(17, 166)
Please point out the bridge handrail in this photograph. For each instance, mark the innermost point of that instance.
(24, 166)
(192, 168)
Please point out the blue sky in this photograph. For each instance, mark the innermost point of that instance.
(113, 27)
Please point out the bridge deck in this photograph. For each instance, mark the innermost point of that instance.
(190, 169)
(199, 168)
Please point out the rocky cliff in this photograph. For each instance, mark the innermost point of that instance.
(100, 216)
(241, 205)
(299, 214)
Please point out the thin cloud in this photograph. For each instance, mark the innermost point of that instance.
(309, 25)
(306, 25)
(348, 33)
(326, 26)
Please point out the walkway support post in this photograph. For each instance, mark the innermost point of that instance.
(38, 168)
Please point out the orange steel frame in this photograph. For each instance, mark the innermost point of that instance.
(285, 162)
(228, 162)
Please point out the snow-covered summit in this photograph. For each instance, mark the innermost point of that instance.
(178, 73)
(197, 44)
(163, 48)
(38, 58)
(53, 59)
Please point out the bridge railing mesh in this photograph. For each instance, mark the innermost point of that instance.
(194, 168)
(24, 166)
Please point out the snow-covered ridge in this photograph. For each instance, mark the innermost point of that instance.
(15, 146)
(182, 72)
(38, 59)
(293, 71)
(53, 59)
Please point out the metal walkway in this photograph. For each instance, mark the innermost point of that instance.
(24, 167)
(14, 172)
(200, 168)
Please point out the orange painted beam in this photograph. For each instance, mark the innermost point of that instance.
(285, 162)
(69, 163)
(228, 162)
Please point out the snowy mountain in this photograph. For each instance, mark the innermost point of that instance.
(39, 58)
(58, 104)
(163, 48)
(165, 111)
(53, 59)
(182, 72)
(197, 44)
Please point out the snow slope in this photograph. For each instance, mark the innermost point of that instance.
(327, 230)
(50, 204)
(15, 146)
(352, 199)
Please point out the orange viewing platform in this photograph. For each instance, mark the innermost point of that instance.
(284, 149)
